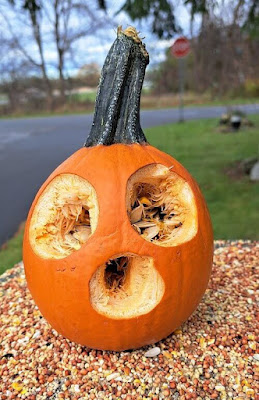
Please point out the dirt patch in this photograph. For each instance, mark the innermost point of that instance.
(235, 171)
(239, 169)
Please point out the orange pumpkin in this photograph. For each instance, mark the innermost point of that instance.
(118, 242)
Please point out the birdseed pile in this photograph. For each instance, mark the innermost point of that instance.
(212, 356)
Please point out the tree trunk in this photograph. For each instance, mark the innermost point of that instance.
(60, 52)
(37, 36)
(61, 75)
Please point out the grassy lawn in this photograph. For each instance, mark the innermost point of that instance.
(206, 153)
(11, 253)
(192, 100)
(83, 97)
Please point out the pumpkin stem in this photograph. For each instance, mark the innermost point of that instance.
(116, 117)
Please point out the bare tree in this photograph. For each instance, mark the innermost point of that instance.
(35, 29)
(23, 29)
(68, 16)
(13, 71)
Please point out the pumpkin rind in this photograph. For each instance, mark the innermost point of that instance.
(61, 287)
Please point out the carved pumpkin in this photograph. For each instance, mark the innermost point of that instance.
(118, 242)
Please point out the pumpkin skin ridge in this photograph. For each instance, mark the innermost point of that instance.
(146, 249)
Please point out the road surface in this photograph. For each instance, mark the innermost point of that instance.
(30, 148)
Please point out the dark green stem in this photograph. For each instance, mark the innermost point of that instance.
(116, 117)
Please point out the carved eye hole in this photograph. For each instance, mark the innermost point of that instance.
(64, 217)
(161, 206)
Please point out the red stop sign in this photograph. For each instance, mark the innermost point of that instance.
(181, 47)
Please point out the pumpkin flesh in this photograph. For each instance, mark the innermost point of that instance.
(64, 218)
(161, 206)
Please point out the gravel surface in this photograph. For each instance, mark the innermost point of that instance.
(212, 356)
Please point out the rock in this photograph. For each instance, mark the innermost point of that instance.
(254, 173)
(153, 352)
(248, 163)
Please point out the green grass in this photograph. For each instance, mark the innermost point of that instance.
(233, 204)
(83, 97)
(11, 253)
(228, 101)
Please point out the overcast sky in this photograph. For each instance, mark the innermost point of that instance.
(91, 48)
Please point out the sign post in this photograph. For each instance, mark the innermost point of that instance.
(180, 49)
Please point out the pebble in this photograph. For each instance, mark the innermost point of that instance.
(213, 355)
(219, 388)
(36, 335)
(76, 388)
(152, 352)
(112, 376)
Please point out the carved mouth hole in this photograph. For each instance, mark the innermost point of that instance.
(125, 286)
(115, 272)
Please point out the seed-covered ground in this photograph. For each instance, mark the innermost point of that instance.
(212, 356)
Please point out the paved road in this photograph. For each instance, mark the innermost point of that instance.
(31, 148)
